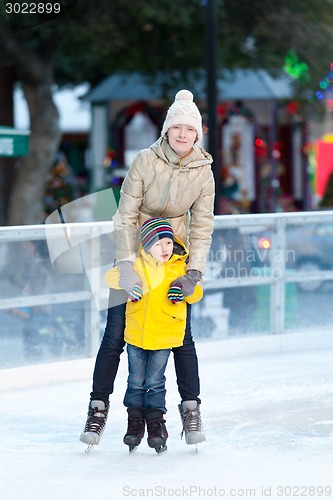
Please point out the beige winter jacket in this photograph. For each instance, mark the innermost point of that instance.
(161, 184)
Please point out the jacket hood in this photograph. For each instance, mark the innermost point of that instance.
(197, 158)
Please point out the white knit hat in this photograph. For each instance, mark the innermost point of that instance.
(183, 112)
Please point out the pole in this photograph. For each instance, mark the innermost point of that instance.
(211, 41)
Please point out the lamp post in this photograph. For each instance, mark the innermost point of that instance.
(211, 51)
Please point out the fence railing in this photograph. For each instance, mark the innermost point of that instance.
(281, 249)
(266, 273)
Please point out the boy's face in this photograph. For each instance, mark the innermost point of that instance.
(162, 249)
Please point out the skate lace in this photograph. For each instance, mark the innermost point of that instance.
(154, 427)
(96, 420)
(191, 422)
(135, 425)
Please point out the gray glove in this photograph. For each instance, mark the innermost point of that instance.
(128, 277)
(188, 282)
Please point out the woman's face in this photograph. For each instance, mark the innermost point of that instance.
(182, 138)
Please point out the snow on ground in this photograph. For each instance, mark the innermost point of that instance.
(267, 410)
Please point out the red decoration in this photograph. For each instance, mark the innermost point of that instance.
(260, 148)
(222, 109)
(135, 108)
(324, 161)
(292, 108)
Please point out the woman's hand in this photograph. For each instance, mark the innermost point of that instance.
(128, 277)
(188, 281)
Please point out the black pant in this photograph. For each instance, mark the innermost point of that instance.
(112, 345)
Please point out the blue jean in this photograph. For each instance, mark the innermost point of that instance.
(146, 379)
(112, 345)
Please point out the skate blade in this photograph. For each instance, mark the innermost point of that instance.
(131, 449)
(89, 448)
(161, 448)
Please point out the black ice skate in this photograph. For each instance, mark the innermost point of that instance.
(157, 433)
(192, 424)
(135, 428)
(97, 416)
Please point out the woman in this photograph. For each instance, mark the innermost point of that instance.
(171, 179)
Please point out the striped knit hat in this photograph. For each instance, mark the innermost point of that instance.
(155, 229)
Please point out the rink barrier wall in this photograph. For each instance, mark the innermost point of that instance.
(81, 369)
(68, 240)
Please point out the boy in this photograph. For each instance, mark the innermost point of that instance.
(155, 322)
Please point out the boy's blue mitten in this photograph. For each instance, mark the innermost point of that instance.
(136, 294)
(175, 293)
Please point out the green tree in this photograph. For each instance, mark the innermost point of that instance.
(87, 41)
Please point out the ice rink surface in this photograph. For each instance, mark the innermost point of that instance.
(267, 408)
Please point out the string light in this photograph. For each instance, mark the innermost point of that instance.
(298, 70)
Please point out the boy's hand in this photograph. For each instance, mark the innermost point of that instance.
(188, 281)
(175, 293)
(128, 277)
(136, 294)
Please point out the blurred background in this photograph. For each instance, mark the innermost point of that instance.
(84, 86)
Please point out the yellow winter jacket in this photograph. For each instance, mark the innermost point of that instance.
(154, 322)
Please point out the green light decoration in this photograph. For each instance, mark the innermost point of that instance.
(294, 67)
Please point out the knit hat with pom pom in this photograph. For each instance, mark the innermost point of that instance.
(183, 112)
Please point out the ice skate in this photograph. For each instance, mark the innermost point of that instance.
(157, 433)
(135, 428)
(97, 416)
(192, 424)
